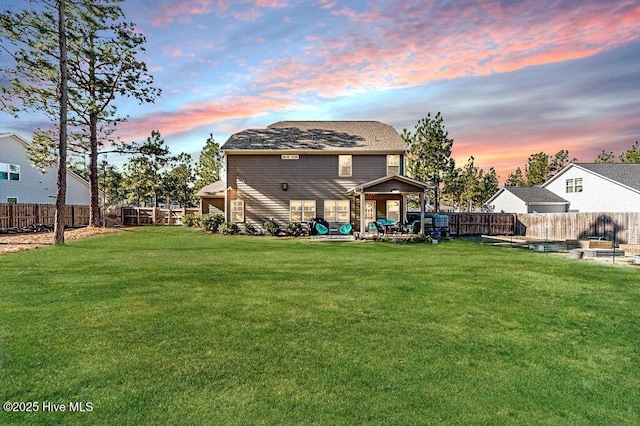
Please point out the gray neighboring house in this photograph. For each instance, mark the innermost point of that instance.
(528, 199)
(294, 171)
(20, 182)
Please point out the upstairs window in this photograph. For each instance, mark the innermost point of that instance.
(344, 165)
(574, 185)
(569, 185)
(577, 184)
(393, 164)
(9, 171)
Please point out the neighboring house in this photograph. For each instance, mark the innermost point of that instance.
(20, 182)
(579, 187)
(598, 187)
(530, 199)
(294, 171)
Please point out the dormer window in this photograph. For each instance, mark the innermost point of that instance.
(344, 166)
(393, 164)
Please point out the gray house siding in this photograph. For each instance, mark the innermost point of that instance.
(259, 179)
(34, 186)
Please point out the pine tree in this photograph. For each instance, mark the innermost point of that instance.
(209, 164)
(430, 153)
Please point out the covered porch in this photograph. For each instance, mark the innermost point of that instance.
(386, 198)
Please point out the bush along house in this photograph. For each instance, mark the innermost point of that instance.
(295, 171)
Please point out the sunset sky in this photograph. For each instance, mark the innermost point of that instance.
(511, 77)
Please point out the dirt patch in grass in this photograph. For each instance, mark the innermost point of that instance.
(26, 241)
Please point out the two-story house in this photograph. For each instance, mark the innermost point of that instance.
(20, 182)
(294, 171)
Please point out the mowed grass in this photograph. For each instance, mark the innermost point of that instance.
(176, 326)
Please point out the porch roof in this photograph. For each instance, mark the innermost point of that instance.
(213, 190)
(390, 184)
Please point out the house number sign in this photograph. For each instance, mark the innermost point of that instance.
(290, 157)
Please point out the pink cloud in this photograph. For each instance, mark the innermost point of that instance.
(202, 114)
(184, 10)
(405, 44)
(509, 146)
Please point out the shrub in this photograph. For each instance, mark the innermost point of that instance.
(271, 227)
(247, 229)
(228, 228)
(211, 222)
(421, 238)
(294, 229)
(190, 220)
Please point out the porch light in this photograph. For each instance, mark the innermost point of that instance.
(285, 186)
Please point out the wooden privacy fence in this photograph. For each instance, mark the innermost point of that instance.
(461, 224)
(580, 226)
(24, 215)
(138, 216)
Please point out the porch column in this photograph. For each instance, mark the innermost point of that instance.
(405, 207)
(422, 212)
(363, 212)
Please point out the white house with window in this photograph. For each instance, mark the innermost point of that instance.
(20, 182)
(598, 187)
(579, 187)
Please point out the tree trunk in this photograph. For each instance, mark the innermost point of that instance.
(61, 194)
(94, 210)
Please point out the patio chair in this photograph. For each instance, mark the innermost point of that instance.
(375, 227)
(346, 229)
(322, 230)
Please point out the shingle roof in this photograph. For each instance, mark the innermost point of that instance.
(215, 188)
(625, 173)
(319, 136)
(535, 194)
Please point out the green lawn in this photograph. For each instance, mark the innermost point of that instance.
(176, 326)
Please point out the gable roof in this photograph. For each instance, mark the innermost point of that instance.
(387, 178)
(319, 136)
(26, 144)
(531, 195)
(627, 174)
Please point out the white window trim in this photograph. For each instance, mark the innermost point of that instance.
(340, 174)
(6, 168)
(16, 198)
(388, 210)
(568, 185)
(335, 204)
(577, 187)
(237, 205)
(389, 156)
(574, 185)
(302, 205)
